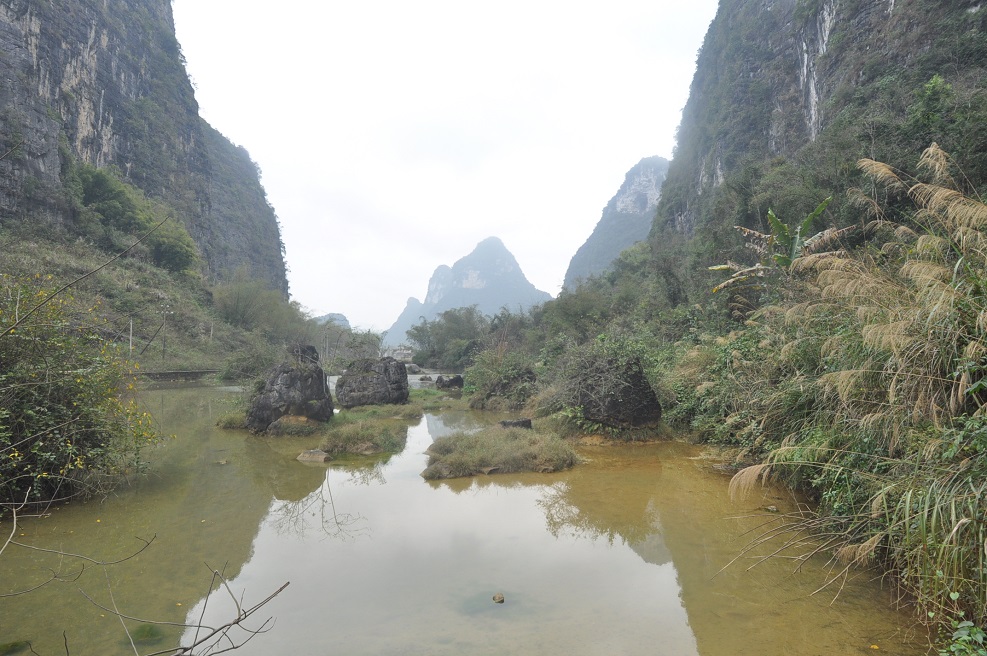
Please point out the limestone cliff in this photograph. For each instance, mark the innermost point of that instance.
(789, 94)
(626, 220)
(488, 278)
(103, 82)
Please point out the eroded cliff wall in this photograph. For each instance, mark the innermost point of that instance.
(789, 94)
(104, 82)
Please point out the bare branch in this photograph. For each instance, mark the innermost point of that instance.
(147, 543)
(13, 529)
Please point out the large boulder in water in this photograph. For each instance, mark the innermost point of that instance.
(298, 388)
(373, 382)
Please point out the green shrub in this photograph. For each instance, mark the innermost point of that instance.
(112, 212)
(500, 380)
(68, 424)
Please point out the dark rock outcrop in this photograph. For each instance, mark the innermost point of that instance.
(373, 382)
(516, 423)
(296, 388)
(452, 382)
(619, 398)
(607, 388)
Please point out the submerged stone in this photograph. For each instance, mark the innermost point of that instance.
(314, 455)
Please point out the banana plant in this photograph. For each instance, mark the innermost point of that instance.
(791, 243)
(781, 247)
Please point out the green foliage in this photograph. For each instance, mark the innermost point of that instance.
(114, 213)
(451, 341)
(500, 379)
(864, 385)
(247, 303)
(68, 424)
(928, 115)
(578, 314)
(966, 639)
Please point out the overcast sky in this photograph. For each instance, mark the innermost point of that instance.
(393, 136)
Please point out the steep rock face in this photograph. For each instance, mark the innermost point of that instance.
(788, 95)
(104, 82)
(489, 278)
(626, 220)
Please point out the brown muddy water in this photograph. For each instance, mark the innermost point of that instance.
(622, 555)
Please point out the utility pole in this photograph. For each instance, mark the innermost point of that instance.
(165, 311)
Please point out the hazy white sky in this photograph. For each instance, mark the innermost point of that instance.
(395, 135)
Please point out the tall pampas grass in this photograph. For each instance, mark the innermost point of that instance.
(888, 350)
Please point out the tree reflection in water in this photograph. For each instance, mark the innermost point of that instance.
(317, 511)
(368, 474)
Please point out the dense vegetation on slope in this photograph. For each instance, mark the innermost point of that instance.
(785, 99)
(625, 220)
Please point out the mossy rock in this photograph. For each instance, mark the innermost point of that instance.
(16, 647)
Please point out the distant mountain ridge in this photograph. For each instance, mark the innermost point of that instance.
(626, 220)
(336, 318)
(489, 278)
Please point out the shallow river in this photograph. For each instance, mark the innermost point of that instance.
(625, 554)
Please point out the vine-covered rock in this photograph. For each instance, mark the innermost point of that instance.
(619, 396)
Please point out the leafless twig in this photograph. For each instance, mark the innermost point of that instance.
(207, 639)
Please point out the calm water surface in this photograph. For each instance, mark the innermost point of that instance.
(622, 555)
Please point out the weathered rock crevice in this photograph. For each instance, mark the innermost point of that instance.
(297, 388)
(373, 382)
